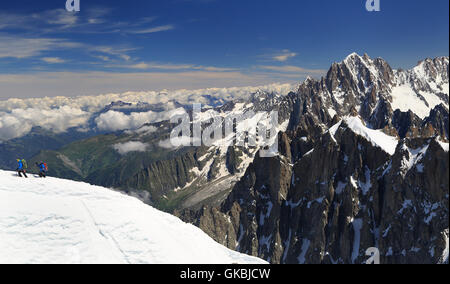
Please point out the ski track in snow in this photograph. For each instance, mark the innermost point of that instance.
(61, 221)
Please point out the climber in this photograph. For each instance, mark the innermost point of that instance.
(22, 167)
(42, 169)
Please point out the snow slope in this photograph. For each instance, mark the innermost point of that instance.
(376, 137)
(60, 221)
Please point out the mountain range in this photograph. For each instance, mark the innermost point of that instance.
(363, 162)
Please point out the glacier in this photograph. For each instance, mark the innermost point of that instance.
(61, 221)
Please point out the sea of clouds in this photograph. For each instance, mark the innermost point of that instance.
(58, 114)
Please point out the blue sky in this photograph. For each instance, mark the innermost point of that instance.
(115, 46)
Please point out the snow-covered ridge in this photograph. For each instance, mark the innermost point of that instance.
(376, 137)
(61, 221)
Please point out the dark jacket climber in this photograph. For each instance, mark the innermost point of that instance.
(22, 167)
(42, 169)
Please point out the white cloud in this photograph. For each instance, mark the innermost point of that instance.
(216, 69)
(114, 120)
(161, 66)
(20, 47)
(56, 20)
(139, 66)
(19, 122)
(284, 55)
(95, 20)
(132, 146)
(53, 60)
(154, 29)
(58, 17)
(148, 129)
(23, 47)
(166, 144)
(12, 127)
(121, 53)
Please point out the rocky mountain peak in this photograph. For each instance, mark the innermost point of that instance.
(364, 163)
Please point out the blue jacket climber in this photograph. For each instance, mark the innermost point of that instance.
(20, 164)
(21, 167)
(42, 169)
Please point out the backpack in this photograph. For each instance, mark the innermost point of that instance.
(24, 163)
(45, 166)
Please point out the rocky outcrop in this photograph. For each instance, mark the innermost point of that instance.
(339, 187)
(438, 121)
(339, 199)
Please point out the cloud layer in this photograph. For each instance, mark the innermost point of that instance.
(19, 122)
(114, 120)
(19, 116)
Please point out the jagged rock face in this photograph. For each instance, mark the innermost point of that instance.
(407, 124)
(163, 176)
(415, 204)
(341, 198)
(325, 203)
(360, 79)
(340, 186)
(254, 201)
(438, 119)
